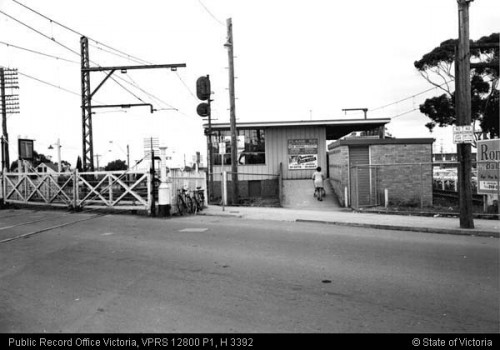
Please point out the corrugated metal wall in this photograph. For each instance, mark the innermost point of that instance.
(277, 152)
(277, 149)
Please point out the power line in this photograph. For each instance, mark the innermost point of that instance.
(121, 54)
(117, 52)
(210, 13)
(134, 84)
(136, 59)
(408, 98)
(420, 93)
(38, 52)
(50, 84)
(186, 86)
(404, 113)
(40, 33)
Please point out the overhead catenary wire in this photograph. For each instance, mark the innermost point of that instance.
(64, 46)
(40, 33)
(49, 84)
(118, 53)
(211, 14)
(39, 53)
(408, 98)
(78, 33)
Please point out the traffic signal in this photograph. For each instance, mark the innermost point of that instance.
(203, 88)
(203, 109)
(203, 92)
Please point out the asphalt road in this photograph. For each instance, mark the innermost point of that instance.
(118, 273)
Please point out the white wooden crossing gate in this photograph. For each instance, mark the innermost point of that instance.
(113, 190)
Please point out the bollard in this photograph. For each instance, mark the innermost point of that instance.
(346, 199)
(164, 204)
(224, 189)
(386, 197)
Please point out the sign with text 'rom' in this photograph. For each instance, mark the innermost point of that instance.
(488, 166)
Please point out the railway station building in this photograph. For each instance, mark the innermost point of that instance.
(277, 158)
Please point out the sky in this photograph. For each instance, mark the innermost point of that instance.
(294, 60)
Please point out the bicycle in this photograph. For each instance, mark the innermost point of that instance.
(199, 198)
(319, 193)
(184, 202)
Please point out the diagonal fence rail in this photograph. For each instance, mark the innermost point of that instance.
(113, 190)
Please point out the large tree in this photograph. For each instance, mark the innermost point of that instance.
(437, 67)
(116, 165)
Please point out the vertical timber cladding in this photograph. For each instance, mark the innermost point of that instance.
(360, 176)
(278, 145)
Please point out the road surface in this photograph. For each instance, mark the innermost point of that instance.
(119, 273)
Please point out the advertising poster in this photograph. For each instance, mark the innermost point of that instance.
(302, 154)
(488, 169)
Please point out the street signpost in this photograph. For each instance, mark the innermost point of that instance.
(463, 134)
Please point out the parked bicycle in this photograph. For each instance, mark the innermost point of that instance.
(184, 202)
(199, 198)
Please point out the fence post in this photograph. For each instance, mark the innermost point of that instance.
(280, 184)
(224, 189)
(346, 198)
(149, 176)
(357, 187)
(75, 189)
(110, 179)
(421, 188)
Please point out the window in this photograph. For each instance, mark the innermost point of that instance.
(251, 147)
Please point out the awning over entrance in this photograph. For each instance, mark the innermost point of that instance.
(335, 128)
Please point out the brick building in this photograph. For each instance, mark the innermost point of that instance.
(361, 170)
(277, 156)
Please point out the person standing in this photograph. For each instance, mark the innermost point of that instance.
(318, 179)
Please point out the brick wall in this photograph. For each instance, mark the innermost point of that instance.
(407, 184)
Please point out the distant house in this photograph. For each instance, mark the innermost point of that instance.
(46, 168)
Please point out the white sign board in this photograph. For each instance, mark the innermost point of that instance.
(463, 134)
(222, 148)
(488, 166)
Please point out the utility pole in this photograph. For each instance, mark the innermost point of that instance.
(5, 135)
(463, 111)
(234, 147)
(9, 104)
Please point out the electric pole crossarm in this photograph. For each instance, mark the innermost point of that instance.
(102, 82)
(124, 68)
(128, 105)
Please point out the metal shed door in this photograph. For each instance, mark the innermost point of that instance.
(360, 176)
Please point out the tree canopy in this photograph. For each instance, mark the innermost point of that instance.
(116, 165)
(437, 67)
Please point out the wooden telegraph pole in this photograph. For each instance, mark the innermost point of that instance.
(234, 147)
(463, 112)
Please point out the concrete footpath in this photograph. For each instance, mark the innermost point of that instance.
(444, 225)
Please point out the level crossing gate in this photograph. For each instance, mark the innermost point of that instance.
(112, 190)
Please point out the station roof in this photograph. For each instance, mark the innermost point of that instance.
(364, 141)
(335, 128)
